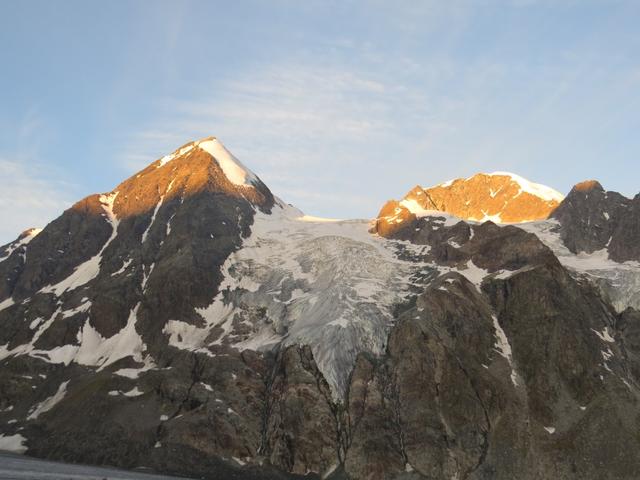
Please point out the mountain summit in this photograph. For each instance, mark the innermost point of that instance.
(204, 165)
(192, 322)
(500, 197)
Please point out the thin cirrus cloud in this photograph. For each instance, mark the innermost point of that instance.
(28, 196)
(338, 139)
(300, 103)
(302, 128)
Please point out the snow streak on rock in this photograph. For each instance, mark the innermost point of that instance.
(21, 242)
(49, 403)
(504, 348)
(90, 269)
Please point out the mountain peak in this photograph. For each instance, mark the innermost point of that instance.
(233, 169)
(197, 166)
(587, 186)
(501, 197)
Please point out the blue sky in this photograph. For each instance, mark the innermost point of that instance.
(337, 106)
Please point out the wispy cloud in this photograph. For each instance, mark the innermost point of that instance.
(365, 118)
(33, 191)
(28, 198)
(346, 132)
(299, 126)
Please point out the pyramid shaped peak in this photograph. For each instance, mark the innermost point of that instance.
(234, 170)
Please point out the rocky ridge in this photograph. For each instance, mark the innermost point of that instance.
(593, 219)
(191, 322)
(500, 197)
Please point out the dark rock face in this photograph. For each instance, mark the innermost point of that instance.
(303, 424)
(498, 364)
(446, 402)
(629, 327)
(592, 219)
(625, 241)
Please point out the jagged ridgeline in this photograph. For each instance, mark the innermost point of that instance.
(191, 322)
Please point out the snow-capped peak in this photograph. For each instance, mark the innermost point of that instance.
(500, 197)
(233, 169)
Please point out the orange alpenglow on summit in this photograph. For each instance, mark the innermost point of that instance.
(500, 197)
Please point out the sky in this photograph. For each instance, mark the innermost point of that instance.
(338, 106)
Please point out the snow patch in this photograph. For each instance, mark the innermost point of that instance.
(146, 275)
(13, 443)
(495, 218)
(311, 218)
(135, 372)
(63, 354)
(153, 219)
(6, 303)
(134, 392)
(541, 191)
(178, 153)
(125, 265)
(604, 335)
(446, 184)
(49, 403)
(503, 347)
(474, 274)
(96, 350)
(90, 269)
(415, 208)
(20, 243)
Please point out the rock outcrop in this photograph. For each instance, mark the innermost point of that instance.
(592, 219)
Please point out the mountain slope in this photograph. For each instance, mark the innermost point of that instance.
(191, 322)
